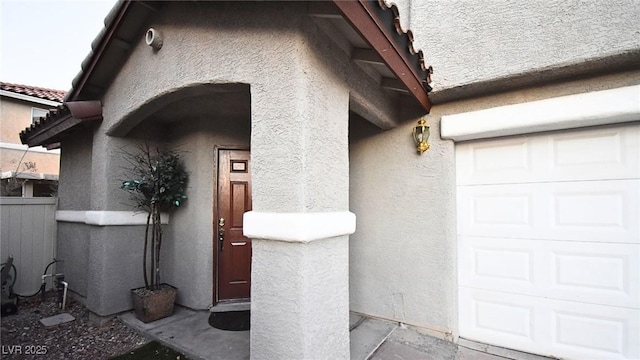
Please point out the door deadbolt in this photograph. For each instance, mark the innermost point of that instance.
(221, 234)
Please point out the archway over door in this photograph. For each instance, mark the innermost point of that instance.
(198, 120)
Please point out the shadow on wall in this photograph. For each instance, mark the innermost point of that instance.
(360, 128)
(231, 100)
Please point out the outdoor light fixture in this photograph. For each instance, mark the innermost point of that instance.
(154, 39)
(421, 136)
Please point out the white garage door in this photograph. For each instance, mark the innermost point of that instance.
(549, 242)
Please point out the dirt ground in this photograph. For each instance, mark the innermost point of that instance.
(24, 337)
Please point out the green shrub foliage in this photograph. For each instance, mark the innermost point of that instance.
(160, 179)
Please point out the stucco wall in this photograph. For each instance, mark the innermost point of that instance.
(188, 252)
(15, 160)
(403, 254)
(74, 193)
(273, 52)
(473, 41)
(115, 259)
(73, 250)
(188, 246)
(16, 116)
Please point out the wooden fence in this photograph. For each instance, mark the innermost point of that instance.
(28, 233)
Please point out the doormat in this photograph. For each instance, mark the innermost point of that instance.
(231, 320)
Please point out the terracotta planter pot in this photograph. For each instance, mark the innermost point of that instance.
(151, 305)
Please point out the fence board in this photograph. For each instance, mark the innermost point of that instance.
(28, 234)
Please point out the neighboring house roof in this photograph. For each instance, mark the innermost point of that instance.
(35, 91)
(372, 26)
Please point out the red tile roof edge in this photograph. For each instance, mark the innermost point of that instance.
(35, 91)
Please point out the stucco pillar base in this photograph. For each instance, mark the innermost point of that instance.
(99, 320)
(115, 256)
(300, 299)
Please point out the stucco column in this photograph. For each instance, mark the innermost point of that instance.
(300, 220)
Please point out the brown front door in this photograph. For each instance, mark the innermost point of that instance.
(233, 249)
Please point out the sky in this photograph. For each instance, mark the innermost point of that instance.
(43, 42)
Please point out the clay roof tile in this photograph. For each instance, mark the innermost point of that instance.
(35, 91)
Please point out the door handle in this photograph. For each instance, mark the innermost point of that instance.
(221, 234)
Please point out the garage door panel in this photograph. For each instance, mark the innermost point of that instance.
(593, 211)
(497, 318)
(507, 159)
(596, 273)
(496, 210)
(549, 242)
(496, 264)
(574, 154)
(607, 274)
(570, 326)
(482, 162)
(563, 156)
(550, 326)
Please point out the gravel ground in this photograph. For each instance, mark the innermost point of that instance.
(23, 334)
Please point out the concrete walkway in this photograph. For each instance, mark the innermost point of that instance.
(189, 332)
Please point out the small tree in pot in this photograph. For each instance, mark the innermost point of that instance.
(158, 184)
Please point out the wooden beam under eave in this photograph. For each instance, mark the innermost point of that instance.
(373, 32)
(326, 10)
(393, 84)
(366, 55)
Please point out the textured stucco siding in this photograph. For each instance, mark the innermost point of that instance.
(294, 75)
(299, 145)
(116, 267)
(73, 250)
(74, 189)
(198, 49)
(317, 271)
(74, 193)
(475, 41)
(403, 256)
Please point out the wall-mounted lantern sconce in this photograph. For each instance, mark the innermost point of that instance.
(421, 136)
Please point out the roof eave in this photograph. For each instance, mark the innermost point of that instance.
(113, 20)
(50, 131)
(361, 17)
